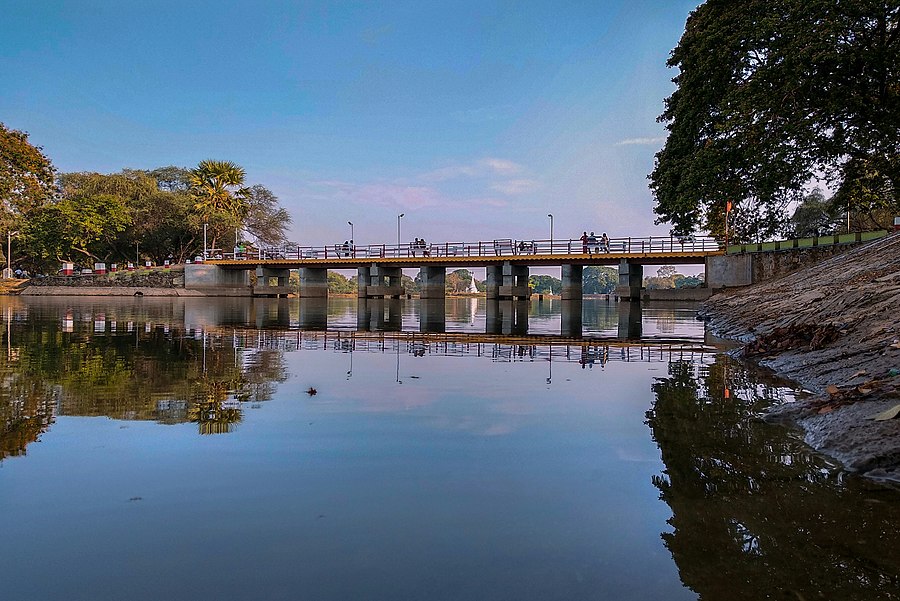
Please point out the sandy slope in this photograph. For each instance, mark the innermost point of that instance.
(855, 297)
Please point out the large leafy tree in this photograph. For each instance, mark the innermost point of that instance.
(772, 94)
(220, 196)
(26, 177)
(265, 219)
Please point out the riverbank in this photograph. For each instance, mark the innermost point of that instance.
(832, 327)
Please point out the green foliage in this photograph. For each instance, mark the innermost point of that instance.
(220, 197)
(458, 281)
(545, 284)
(667, 277)
(26, 177)
(338, 284)
(599, 280)
(264, 219)
(771, 93)
(814, 216)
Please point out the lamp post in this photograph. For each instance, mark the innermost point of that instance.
(550, 215)
(350, 223)
(205, 255)
(398, 232)
(9, 235)
(137, 255)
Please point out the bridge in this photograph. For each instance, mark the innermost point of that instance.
(507, 262)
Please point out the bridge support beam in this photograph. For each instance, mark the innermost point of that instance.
(313, 282)
(492, 281)
(515, 281)
(432, 282)
(362, 280)
(214, 280)
(572, 283)
(272, 282)
(631, 279)
(384, 282)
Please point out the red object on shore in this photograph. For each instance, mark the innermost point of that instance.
(68, 268)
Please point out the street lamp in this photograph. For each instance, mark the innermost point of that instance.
(9, 235)
(550, 215)
(351, 230)
(205, 255)
(398, 232)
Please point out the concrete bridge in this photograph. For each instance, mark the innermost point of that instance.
(507, 263)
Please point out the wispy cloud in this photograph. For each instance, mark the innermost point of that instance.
(382, 194)
(514, 187)
(641, 141)
(486, 167)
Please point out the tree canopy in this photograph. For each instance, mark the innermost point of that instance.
(26, 177)
(774, 94)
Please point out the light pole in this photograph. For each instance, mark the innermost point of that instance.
(205, 255)
(398, 232)
(9, 235)
(350, 223)
(137, 255)
(550, 215)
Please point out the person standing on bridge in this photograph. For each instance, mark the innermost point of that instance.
(592, 244)
(604, 243)
(584, 243)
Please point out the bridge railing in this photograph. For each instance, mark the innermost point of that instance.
(489, 248)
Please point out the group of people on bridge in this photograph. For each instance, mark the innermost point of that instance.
(591, 244)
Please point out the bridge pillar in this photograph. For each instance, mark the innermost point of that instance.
(432, 282)
(631, 279)
(214, 280)
(313, 282)
(362, 280)
(572, 288)
(384, 282)
(272, 282)
(515, 281)
(492, 281)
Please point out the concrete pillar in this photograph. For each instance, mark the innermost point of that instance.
(212, 279)
(271, 313)
(362, 280)
(571, 318)
(384, 282)
(493, 280)
(393, 320)
(631, 279)
(363, 312)
(313, 313)
(492, 322)
(507, 317)
(433, 315)
(572, 288)
(630, 320)
(515, 281)
(433, 280)
(313, 282)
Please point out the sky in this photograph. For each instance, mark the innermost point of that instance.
(474, 119)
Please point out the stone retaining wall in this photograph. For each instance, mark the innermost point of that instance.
(158, 278)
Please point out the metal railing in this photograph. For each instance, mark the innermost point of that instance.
(491, 248)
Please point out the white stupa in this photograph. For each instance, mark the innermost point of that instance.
(472, 287)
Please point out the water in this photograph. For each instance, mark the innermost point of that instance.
(171, 449)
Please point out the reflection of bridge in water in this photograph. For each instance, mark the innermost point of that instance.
(588, 352)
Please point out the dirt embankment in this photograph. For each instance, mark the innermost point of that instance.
(833, 327)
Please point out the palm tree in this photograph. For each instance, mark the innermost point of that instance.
(220, 197)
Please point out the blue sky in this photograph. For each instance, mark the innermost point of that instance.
(475, 119)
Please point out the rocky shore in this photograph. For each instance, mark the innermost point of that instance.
(834, 328)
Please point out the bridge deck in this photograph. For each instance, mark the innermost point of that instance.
(648, 251)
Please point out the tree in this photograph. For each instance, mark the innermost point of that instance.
(599, 280)
(771, 94)
(26, 177)
(220, 197)
(264, 219)
(545, 284)
(814, 216)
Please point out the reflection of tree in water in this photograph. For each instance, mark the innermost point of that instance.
(755, 514)
(159, 373)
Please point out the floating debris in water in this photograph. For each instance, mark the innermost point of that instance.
(311, 391)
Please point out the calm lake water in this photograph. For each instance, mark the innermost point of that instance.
(171, 449)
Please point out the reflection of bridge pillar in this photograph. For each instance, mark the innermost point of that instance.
(515, 281)
(631, 279)
(363, 311)
(362, 280)
(572, 288)
(492, 281)
(630, 320)
(507, 317)
(272, 312)
(432, 282)
(313, 282)
(570, 318)
(384, 282)
(433, 315)
(313, 313)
